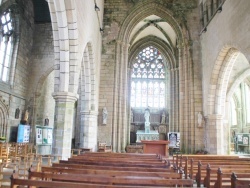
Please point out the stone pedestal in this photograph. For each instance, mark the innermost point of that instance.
(143, 135)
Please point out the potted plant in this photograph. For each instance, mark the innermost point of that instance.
(2, 139)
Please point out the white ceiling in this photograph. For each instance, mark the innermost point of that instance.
(165, 31)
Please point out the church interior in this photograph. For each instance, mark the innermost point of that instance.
(76, 73)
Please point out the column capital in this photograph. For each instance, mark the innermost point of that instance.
(65, 96)
(89, 113)
(215, 116)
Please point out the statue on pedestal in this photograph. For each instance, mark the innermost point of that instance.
(147, 115)
(147, 123)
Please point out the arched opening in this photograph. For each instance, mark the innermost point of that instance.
(229, 107)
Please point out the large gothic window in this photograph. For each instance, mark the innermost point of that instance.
(148, 79)
(247, 94)
(6, 45)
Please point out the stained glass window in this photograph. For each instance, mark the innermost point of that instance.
(148, 79)
(6, 45)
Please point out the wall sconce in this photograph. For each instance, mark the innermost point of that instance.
(219, 9)
(97, 8)
(101, 30)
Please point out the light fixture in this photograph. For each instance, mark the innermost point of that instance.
(97, 8)
(219, 9)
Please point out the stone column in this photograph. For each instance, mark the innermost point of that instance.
(88, 130)
(215, 134)
(63, 123)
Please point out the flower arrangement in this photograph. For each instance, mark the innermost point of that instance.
(2, 139)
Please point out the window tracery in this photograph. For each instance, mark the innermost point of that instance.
(148, 79)
(6, 45)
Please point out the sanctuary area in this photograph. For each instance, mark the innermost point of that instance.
(78, 75)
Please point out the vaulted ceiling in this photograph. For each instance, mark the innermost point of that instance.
(154, 26)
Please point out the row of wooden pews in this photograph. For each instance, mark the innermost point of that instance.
(21, 165)
(215, 170)
(96, 169)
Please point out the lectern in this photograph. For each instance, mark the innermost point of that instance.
(156, 147)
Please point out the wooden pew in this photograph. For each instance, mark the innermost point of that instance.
(65, 164)
(122, 155)
(110, 172)
(115, 163)
(125, 160)
(209, 172)
(240, 180)
(179, 159)
(15, 182)
(190, 165)
(94, 157)
(113, 180)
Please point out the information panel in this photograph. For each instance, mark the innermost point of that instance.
(23, 133)
(174, 139)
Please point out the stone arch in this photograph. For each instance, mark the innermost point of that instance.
(42, 79)
(143, 10)
(65, 34)
(217, 99)
(87, 135)
(121, 106)
(88, 79)
(219, 79)
(159, 44)
(237, 82)
(4, 115)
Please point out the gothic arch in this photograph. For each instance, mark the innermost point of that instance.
(121, 106)
(42, 79)
(143, 10)
(237, 82)
(65, 34)
(88, 79)
(219, 79)
(159, 44)
(4, 115)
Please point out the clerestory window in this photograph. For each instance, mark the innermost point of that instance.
(148, 79)
(6, 45)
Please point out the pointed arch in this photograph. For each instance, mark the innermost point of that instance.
(219, 79)
(142, 10)
(159, 44)
(65, 35)
(88, 77)
(4, 115)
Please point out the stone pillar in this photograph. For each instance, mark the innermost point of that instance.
(215, 134)
(63, 123)
(88, 130)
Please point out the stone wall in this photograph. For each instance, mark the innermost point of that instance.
(14, 93)
(225, 38)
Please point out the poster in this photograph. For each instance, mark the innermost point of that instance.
(44, 135)
(23, 133)
(174, 139)
(39, 136)
(49, 136)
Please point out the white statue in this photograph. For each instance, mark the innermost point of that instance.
(163, 118)
(147, 115)
(200, 118)
(131, 116)
(104, 115)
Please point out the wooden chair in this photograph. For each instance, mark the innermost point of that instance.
(103, 147)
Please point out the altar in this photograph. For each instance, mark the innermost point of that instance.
(156, 147)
